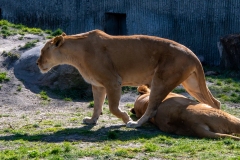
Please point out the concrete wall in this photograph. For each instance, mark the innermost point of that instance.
(196, 24)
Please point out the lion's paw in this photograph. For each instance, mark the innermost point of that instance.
(88, 120)
(132, 124)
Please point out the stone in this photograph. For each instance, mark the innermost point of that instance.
(61, 77)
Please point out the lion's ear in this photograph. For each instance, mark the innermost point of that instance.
(64, 34)
(58, 41)
(143, 89)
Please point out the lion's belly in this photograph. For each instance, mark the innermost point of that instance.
(137, 78)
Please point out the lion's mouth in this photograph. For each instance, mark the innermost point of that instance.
(44, 70)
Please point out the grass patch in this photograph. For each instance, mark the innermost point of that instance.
(9, 29)
(44, 96)
(91, 104)
(29, 45)
(224, 88)
(51, 139)
(19, 88)
(67, 99)
(179, 90)
(4, 77)
(126, 89)
(12, 56)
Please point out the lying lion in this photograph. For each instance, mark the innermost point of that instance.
(182, 116)
(110, 62)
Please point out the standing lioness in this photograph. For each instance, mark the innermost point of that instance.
(110, 62)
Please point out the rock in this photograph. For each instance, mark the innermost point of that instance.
(61, 77)
(229, 49)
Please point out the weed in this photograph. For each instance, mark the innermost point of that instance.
(58, 125)
(124, 152)
(237, 90)
(150, 147)
(4, 77)
(91, 104)
(48, 32)
(219, 83)
(179, 90)
(12, 56)
(4, 27)
(57, 32)
(34, 31)
(44, 96)
(67, 99)
(35, 126)
(67, 147)
(128, 105)
(29, 45)
(19, 88)
(106, 102)
(74, 119)
(4, 115)
(20, 38)
(5, 23)
(33, 154)
(126, 89)
(56, 150)
(47, 122)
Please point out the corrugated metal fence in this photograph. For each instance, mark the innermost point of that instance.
(196, 24)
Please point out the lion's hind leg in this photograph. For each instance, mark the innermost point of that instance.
(204, 132)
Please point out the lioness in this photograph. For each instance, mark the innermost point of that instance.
(110, 62)
(180, 115)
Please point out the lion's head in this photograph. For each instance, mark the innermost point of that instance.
(142, 101)
(49, 52)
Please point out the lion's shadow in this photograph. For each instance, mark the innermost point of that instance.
(86, 134)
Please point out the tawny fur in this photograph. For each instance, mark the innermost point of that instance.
(110, 62)
(182, 116)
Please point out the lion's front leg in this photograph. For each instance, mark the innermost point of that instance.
(99, 95)
(114, 94)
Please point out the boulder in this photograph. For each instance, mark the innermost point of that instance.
(229, 48)
(61, 77)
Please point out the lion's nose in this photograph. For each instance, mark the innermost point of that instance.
(37, 63)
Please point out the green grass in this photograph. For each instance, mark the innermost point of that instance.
(44, 96)
(29, 45)
(4, 77)
(91, 104)
(12, 56)
(19, 88)
(224, 88)
(67, 99)
(179, 90)
(115, 144)
(9, 29)
(51, 139)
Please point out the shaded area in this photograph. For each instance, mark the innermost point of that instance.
(85, 134)
(230, 50)
(63, 80)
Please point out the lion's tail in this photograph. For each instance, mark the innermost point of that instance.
(195, 84)
(143, 89)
